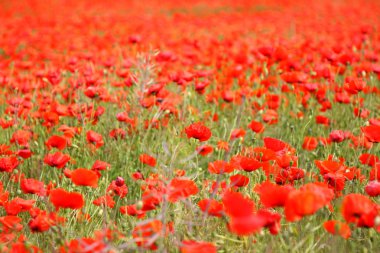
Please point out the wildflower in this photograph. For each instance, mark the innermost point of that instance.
(198, 131)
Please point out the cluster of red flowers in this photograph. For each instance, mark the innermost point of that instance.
(129, 112)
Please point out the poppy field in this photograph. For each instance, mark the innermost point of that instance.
(189, 126)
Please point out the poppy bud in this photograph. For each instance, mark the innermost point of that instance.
(377, 220)
(373, 188)
(139, 205)
(119, 181)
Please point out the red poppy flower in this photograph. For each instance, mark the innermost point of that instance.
(69, 132)
(302, 203)
(335, 181)
(325, 140)
(56, 141)
(132, 211)
(374, 122)
(337, 227)
(271, 220)
(374, 174)
(243, 220)
(237, 205)
(220, 167)
(151, 199)
(359, 209)
(310, 143)
(361, 112)
(337, 136)
(33, 186)
(273, 195)
(180, 188)
(249, 164)
(21, 137)
(228, 96)
(369, 159)
(94, 138)
(330, 166)
(4, 195)
(137, 176)
(84, 245)
(372, 133)
(17, 205)
(290, 175)
(5, 150)
(117, 133)
(57, 159)
(204, 150)
(64, 199)
(354, 85)
(198, 131)
(219, 187)
(189, 246)
(211, 207)
(239, 180)
(21, 247)
(85, 177)
(256, 126)
(122, 116)
(278, 146)
(287, 161)
(39, 224)
(24, 153)
(306, 201)
(6, 124)
(200, 87)
(294, 77)
(100, 165)
(67, 172)
(270, 117)
(237, 133)
(42, 221)
(50, 119)
(11, 223)
(8, 164)
(264, 154)
(148, 160)
(143, 234)
(106, 200)
(118, 188)
(322, 120)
